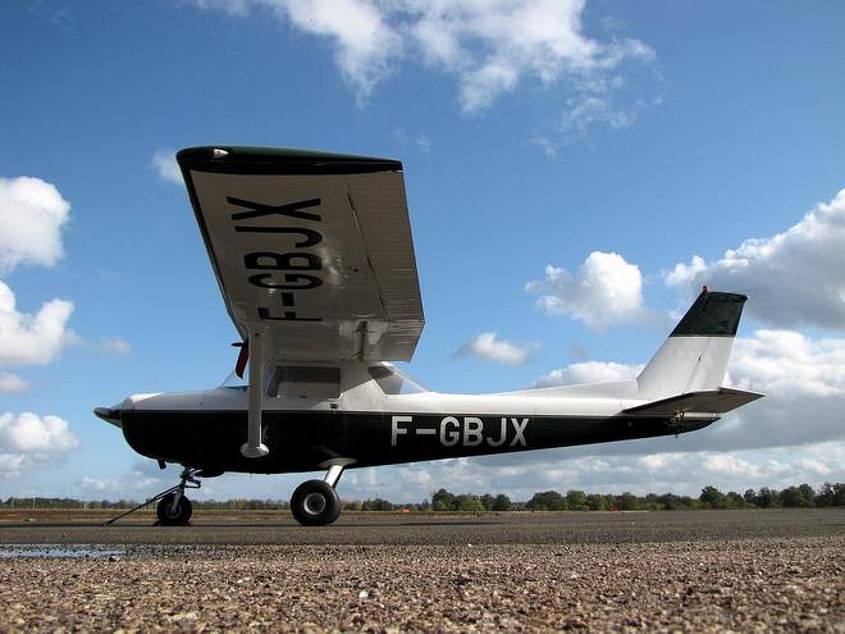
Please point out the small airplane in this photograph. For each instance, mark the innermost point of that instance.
(315, 261)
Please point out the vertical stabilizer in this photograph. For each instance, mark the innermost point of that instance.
(695, 356)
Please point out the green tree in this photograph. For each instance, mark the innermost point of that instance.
(502, 503)
(468, 503)
(576, 500)
(597, 502)
(627, 502)
(487, 501)
(767, 498)
(442, 500)
(831, 494)
(733, 500)
(808, 493)
(376, 505)
(712, 497)
(670, 502)
(547, 501)
(797, 496)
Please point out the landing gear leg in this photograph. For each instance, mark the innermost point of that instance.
(174, 508)
(315, 502)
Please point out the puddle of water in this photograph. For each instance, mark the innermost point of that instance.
(57, 551)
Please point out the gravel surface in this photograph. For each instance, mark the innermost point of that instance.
(759, 583)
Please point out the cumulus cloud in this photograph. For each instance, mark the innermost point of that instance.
(27, 339)
(164, 163)
(790, 364)
(589, 372)
(795, 277)
(491, 48)
(605, 291)
(12, 383)
(804, 383)
(364, 41)
(488, 347)
(32, 214)
(28, 440)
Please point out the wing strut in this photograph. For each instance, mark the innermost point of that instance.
(253, 447)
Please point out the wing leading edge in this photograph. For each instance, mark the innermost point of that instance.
(314, 249)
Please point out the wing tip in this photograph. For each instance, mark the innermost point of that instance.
(270, 160)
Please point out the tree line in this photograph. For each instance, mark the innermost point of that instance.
(801, 496)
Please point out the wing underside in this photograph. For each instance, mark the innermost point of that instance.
(315, 249)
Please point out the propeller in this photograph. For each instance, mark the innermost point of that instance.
(243, 357)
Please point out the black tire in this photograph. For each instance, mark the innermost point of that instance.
(315, 503)
(182, 514)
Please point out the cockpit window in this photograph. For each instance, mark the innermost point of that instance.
(392, 381)
(298, 381)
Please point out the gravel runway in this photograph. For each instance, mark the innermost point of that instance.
(669, 571)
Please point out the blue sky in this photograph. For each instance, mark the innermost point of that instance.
(574, 172)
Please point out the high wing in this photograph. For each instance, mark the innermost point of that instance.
(312, 249)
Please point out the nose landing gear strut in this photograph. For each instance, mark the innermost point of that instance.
(174, 508)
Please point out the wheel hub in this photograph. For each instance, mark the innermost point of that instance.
(314, 503)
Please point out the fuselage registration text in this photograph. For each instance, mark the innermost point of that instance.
(466, 431)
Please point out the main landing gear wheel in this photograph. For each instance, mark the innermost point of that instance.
(315, 503)
(170, 515)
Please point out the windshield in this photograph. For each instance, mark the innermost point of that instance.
(392, 381)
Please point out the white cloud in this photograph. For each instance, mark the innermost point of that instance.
(417, 141)
(494, 46)
(142, 480)
(164, 162)
(589, 372)
(117, 345)
(12, 383)
(795, 277)
(656, 468)
(803, 380)
(32, 214)
(489, 347)
(364, 41)
(490, 47)
(606, 291)
(31, 339)
(29, 441)
(790, 365)
(100, 485)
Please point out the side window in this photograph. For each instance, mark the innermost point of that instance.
(300, 381)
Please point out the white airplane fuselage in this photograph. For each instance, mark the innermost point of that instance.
(364, 426)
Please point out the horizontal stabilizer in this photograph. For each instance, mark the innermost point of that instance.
(716, 401)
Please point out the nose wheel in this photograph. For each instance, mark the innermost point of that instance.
(174, 508)
(315, 502)
(173, 511)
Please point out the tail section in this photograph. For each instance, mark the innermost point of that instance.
(695, 356)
